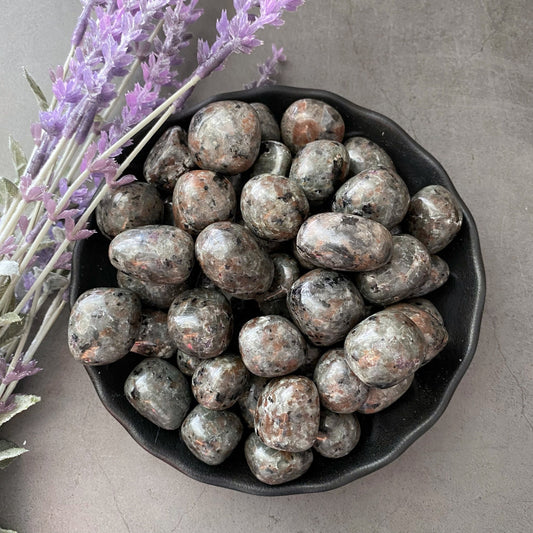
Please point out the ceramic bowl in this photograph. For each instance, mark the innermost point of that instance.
(385, 435)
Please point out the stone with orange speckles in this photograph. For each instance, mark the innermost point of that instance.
(365, 154)
(269, 125)
(379, 399)
(153, 339)
(338, 434)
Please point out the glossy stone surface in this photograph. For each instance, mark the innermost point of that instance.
(268, 123)
(159, 392)
(340, 390)
(210, 435)
(288, 414)
(307, 120)
(438, 276)
(168, 159)
(271, 346)
(159, 254)
(434, 217)
(153, 339)
(187, 363)
(344, 242)
(379, 399)
(408, 268)
(225, 137)
(275, 467)
(273, 207)
(274, 158)
(200, 198)
(249, 398)
(319, 168)
(384, 349)
(379, 194)
(231, 257)
(103, 325)
(152, 294)
(200, 322)
(338, 434)
(312, 356)
(365, 154)
(286, 272)
(130, 206)
(218, 383)
(325, 305)
(425, 305)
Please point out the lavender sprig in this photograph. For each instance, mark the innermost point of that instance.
(268, 70)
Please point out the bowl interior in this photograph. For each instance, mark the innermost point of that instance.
(385, 435)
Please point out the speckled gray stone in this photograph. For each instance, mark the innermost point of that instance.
(103, 325)
(425, 305)
(153, 339)
(274, 158)
(225, 136)
(218, 383)
(200, 322)
(344, 242)
(130, 206)
(159, 254)
(275, 467)
(384, 349)
(438, 276)
(288, 414)
(210, 435)
(379, 194)
(249, 398)
(434, 217)
(379, 399)
(187, 363)
(168, 159)
(273, 207)
(340, 390)
(338, 434)
(159, 392)
(267, 121)
(271, 346)
(286, 272)
(325, 305)
(308, 120)
(365, 154)
(408, 268)
(319, 168)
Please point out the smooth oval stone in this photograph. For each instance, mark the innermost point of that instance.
(288, 414)
(218, 383)
(230, 256)
(365, 154)
(338, 434)
(249, 398)
(275, 467)
(384, 349)
(153, 339)
(431, 327)
(425, 305)
(408, 268)
(210, 435)
(434, 217)
(168, 159)
(379, 194)
(319, 168)
(379, 399)
(325, 305)
(274, 158)
(302, 260)
(340, 390)
(200, 198)
(103, 325)
(267, 122)
(158, 295)
(344, 242)
(309, 120)
(159, 392)
(200, 322)
(159, 254)
(271, 346)
(438, 276)
(225, 137)
(187, 363)
(286, 272)
(273, 207)
(130, 206)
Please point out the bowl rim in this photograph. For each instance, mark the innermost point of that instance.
(257, 94)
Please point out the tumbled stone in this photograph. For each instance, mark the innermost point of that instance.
(267, 121)
(379, 399)
(153, 339)
(338, 434)
(286, 272)
(274, 158)
(249, 398)
(187, 363)
(438, 276)
(365, 154)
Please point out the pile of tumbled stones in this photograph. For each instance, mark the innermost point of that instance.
(276, 280)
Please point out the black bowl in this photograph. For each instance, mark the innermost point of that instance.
(385, 435)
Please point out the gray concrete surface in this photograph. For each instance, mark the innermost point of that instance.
(458, 76)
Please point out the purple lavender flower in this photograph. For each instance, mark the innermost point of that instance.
(268, 69)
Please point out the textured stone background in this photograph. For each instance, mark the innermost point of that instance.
(458, 76)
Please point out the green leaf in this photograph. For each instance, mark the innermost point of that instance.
(9, 318)
(38, 93)
(18, 156)
(22, 402)
(8, 452)
(8, 191)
